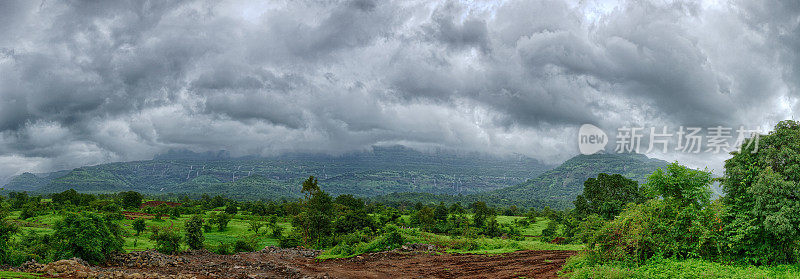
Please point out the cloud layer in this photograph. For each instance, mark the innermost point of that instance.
(93, 82)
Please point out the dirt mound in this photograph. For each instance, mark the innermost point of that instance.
(291, 252)
(148, 258)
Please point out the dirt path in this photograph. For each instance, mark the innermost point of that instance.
(292, 263)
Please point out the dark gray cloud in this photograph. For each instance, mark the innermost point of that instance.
(86, 82)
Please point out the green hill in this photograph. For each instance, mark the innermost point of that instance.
(559, 187)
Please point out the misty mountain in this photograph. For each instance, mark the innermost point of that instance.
(380, 171)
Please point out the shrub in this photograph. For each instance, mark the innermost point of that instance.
(656, 228)
(244, 246)
(194, 232)
(7, 229)
(167, 240)
(290, 241)
(88, 236)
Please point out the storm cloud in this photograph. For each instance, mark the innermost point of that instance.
(86, 82)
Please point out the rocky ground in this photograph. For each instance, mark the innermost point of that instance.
(412, 261)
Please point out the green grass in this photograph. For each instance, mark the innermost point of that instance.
(237, 229)
(12, 274)
(479, 245)
(666, 268)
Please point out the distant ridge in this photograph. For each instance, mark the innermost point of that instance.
(559, 186)
(383, 170)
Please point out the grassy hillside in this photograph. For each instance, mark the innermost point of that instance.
(559, 187)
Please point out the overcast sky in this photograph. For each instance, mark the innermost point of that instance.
(101, 81)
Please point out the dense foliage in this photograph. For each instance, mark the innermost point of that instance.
(762, 185)
(89, 236)
(607, 195)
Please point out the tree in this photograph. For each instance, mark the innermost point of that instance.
(7, 229)
(350, 202)
(255, 225)
(607, 195)
(221, 220)
(550, 230)
(194, 232)
(231, 209)
(424, 218)
(139, 226)
(130, 199)
(354, 220)
(167, 240)
(682, 185)
(315, 220)
(761, 184)
(88, 236)
(481, 214)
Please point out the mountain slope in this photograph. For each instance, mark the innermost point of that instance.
(559, 187)
(380, 171)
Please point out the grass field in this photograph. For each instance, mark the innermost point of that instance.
(237, 229)
(23, 275)
(668, 268)
(479, 245)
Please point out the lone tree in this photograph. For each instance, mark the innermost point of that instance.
(130, 199)
(139, 226)
(221, 220)
(316, 220)
(607, 195)
(194, 232)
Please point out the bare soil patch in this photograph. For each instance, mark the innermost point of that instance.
(301, 263)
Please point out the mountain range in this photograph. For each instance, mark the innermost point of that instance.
(384, 173)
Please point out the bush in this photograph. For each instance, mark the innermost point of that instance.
(223, 249)
(88, 236)
(194, 232)
(220, 220)
(7, 229)
(244, 246)
(290, 241)
(167, 240)
(656, 228)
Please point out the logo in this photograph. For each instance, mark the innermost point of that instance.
(591, 139)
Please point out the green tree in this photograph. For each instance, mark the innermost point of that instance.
(424, 218)
(607, 195)
(682, 185)
(139, 226)
(221, 220)
(762, 217)
(482, 214)
(255, 225)
(88, 236)
(194, 232)
(7, 229)
(315, 221)
(130, 199)
(231, 209)
(354, 220)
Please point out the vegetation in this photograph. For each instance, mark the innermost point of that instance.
(680, 232)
